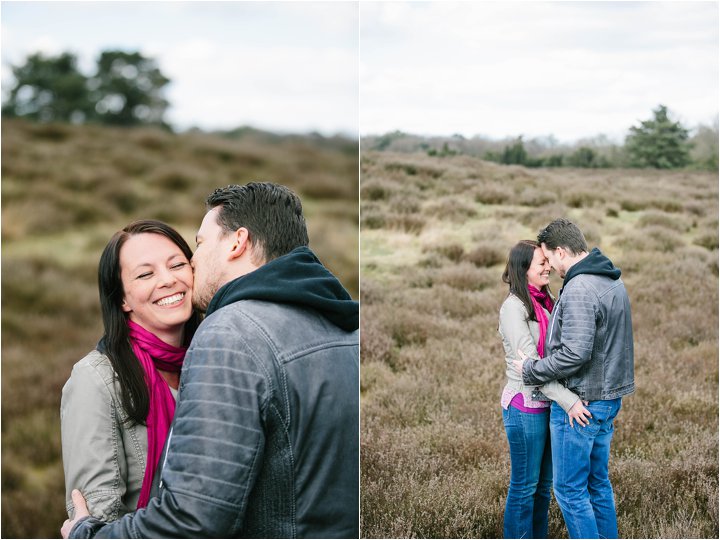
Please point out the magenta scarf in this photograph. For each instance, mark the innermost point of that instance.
(154, 354)
(541, 300)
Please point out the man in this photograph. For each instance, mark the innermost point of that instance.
(265, 439)
(590, 348)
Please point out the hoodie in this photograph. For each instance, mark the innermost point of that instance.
(595, 263)
(295, 278)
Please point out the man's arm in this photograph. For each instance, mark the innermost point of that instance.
(215, 449)
(576, 342)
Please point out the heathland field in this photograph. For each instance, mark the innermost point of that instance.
(435, 233)
(65, 191)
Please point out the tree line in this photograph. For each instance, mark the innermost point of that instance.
(125, 89)
(658, 142)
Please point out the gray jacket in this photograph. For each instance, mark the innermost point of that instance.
(265, 439)
(103, 455)
(590, 337)
(518, 332)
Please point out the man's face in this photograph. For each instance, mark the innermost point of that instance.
(207, 261)
(555, 258)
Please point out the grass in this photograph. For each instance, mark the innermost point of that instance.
(65, 191)
(434, 457)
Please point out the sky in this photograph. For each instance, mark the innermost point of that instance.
(280, 66)
(567, 69)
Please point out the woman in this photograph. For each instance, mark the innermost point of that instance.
(526, 410)
(120, 399)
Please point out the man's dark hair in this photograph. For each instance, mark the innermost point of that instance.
(271, 213)
(565, 234)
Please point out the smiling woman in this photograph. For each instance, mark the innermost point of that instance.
(122, 395)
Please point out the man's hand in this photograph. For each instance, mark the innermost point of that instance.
(81, 511)
(518, 364)
(579, 413)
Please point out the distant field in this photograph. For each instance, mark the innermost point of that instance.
(435, 233)
(65, 191)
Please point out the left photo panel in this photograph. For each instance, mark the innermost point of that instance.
(180, 283)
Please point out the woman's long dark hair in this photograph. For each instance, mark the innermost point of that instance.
(115, 342)
(515, 274)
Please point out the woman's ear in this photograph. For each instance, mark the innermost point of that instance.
(125, 307)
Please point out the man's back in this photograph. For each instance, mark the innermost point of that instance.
(276, 388)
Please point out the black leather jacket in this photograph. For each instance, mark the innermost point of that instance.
(590, 339)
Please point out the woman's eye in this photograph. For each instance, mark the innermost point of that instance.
(179, 265)
(145, 275)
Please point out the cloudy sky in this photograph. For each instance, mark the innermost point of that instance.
(281, 66)
(570, 69)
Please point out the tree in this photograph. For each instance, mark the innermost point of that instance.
(127, 89)
(49, 89)
(658, 142)
(582, 157)
(514, 154)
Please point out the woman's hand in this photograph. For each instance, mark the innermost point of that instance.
(518, 364)
(81, 511)
(579, 413)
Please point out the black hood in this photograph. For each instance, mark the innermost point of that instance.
(594, 263)
(296, 278)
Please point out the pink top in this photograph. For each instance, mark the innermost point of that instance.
(518, 400)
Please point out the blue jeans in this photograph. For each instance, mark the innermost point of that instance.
(528, 499)
(580, 469)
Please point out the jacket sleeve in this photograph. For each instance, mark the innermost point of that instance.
(515, 328)
(214, 449)
(93, 456)
(576, 339)
(559, 394)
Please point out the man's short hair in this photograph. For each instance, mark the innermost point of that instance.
(271, 213)
(565, 234)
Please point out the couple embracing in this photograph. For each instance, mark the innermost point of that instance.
(244, 424)
(569, 362)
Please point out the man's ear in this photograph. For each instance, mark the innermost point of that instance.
(241, 243)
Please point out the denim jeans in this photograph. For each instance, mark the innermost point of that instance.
(528, 499)
(580, 470)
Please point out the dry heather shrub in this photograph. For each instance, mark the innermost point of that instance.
(486, 256)
(466, 276)
(376, 345)
(489, 194)
(371, 218)
(651, 238)
(696, 208)
(408, 223)
(404, 204)
(674, 222)
(374, 190)
(612, 210)
(452, 251)
(708, 240)
(451, 209)
(533, 196)
(582, 198)
(539, 217)
(374, 374)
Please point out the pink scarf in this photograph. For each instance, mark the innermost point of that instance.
(541, 300)
(154, 354)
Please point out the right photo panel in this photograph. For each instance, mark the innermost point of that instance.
(539, 269)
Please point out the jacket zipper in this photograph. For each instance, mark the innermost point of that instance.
(167, 447)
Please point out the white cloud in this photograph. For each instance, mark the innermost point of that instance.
(571, 68)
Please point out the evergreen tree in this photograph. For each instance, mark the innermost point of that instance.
(658, 142)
